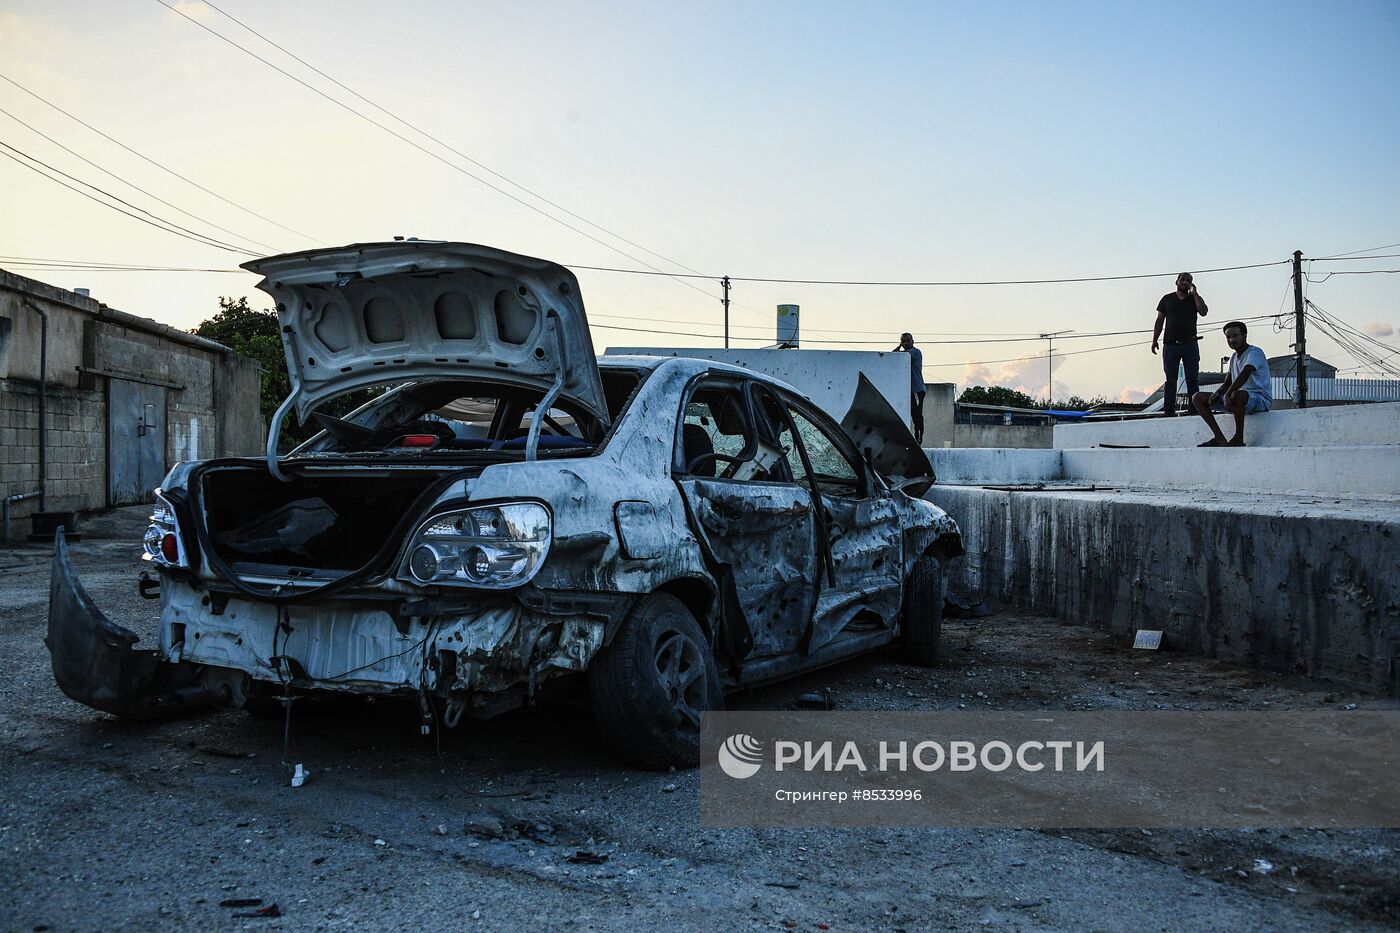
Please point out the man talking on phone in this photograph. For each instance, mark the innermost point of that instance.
(1177, 311)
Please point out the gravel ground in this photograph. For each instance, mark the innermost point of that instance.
(106, 824)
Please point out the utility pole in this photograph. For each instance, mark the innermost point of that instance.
(1300, 336)
(725, 282)
(1050, 364)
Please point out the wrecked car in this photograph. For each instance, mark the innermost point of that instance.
(513, 515)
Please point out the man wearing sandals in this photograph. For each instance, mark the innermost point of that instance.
(1246, 392)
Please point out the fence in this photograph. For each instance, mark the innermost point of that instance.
(1339, 390)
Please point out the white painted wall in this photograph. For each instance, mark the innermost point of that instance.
(827, 377)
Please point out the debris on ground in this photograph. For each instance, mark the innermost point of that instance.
(486, 826)
(223, 752)
(299, 776)
(241, 902)
(820, 700)
(584, 857)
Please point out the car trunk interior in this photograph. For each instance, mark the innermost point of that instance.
(320, 521)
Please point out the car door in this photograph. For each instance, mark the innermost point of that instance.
(753, 519)
(863, 585)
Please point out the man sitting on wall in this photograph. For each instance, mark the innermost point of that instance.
(1246, 392)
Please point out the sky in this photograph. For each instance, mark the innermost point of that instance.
(891, 142)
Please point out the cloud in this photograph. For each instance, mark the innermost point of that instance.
(1378, 329)
(194, 10)
(1132, 395)
(1027, 374)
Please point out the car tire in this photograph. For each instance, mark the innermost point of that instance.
(921, 626)
(651, 683)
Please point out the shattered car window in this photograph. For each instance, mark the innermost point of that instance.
(719, 414)
(833, 472)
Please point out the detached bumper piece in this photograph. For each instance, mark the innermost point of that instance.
(95, 661)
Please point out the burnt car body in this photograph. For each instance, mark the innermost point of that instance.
(514, 512)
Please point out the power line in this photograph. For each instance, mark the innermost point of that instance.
(1355, 251)
(159, 226)
(932, 284)
(1094, 278)
(828, 330)
(421, 148)
(158, 165)
(447, 146)
(1357, 344)
(1352, 258)
(20, 263)
(1359, 272)
(1018, 359)
(131, 185)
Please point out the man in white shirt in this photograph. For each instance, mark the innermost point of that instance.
(1246, 392)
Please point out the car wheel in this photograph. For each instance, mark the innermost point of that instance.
(921, 626)
(650, 685)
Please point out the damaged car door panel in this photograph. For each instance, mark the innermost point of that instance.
(510, 514)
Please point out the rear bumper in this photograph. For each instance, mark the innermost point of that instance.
(96, 662)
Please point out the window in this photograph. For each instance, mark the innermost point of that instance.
(832, 470)
(715, 431)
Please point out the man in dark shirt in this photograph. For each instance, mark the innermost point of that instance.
(917, 389)
(1178, 310)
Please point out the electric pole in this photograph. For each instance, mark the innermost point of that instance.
(1300, 336)
(1050, 364)
(725, 282)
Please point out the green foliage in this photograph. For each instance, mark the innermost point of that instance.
(252, 333)
(997, 395)
(1011, 398)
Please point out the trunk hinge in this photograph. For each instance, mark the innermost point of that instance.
(542, 409)
(274, 430)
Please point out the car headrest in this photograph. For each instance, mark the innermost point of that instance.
(695, 442)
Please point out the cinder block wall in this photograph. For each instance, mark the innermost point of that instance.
(76, 446)
(211, 403)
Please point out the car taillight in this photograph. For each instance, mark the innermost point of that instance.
(161, 544)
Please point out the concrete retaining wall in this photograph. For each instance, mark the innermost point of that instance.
(1264, 582)
(997, 466)
(1342, 425)
(1022, 436)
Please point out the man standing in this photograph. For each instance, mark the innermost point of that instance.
(1178, 310)
(1247, 391)
(916, 384)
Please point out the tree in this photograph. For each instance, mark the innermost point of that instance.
(256, 334)
(997, 395)
(253, 334)
(1011, 398)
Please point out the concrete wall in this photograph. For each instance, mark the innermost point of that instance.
(76, 450)
(1020, 436)
(1259, 582)
(211, 395)
(1344, 425)
(827, 377)
(996, 466)
(939, 430)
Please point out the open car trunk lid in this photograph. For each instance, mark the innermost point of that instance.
(374, 313)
